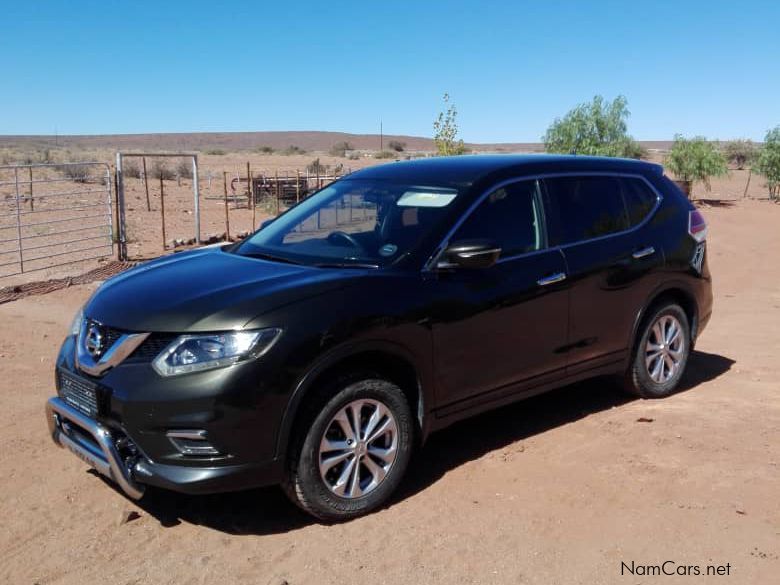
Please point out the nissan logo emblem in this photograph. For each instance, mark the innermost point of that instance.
(94, 340)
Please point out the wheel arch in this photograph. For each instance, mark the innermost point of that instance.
(680, 293)
(388, 359)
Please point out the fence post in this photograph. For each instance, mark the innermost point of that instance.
(276, 178)
(120, 208)
(254, 204)
(19, 219)
(227, 215)
(196, 194)
(249, 188)
(32, 198)
(162, 209)
(297, 185)
(146, 186)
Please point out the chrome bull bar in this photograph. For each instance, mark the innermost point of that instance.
(102, 455)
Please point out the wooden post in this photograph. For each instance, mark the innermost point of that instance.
(254, 206)
(750, 172)
(146, 186)
(276, 176)
(162, 209)
(297, 185)
(319, 185)
(32, 198)
(249, 187)
(227, 215)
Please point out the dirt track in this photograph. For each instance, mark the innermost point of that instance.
(559, 489)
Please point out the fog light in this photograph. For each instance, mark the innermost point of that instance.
(192, 442)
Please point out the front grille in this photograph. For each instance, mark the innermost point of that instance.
(112, 335)
(151, 347)
(81, 394)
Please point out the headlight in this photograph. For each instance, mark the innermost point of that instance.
(195, 353)
(75, 326)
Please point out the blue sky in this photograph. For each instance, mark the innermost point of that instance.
(100, 67)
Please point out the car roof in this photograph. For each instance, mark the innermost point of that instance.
(468, 169)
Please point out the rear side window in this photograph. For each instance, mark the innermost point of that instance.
(588, 207)
(640, 199)
(511, 216)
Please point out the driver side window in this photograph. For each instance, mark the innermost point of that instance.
(511, 216)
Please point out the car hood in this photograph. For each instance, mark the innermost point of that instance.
(204, 290)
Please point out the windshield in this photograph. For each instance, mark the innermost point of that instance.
(352, 223)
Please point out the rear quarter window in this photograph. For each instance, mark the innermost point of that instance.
(640, 199)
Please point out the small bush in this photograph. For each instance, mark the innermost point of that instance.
(396, 145)
(184, 169)
(386, 154)
(740, 152)
(354, 156)
(76, 173)
(696, 159)
(216, 151)
(131, 169)
(160, 169)
(768, 163)
(292, 149)
(315, 167)
(340, 149)
(265, 149)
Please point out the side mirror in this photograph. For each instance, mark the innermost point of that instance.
(266, 222)
(472, 254)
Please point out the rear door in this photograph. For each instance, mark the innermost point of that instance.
(504, 325)
(600, 225)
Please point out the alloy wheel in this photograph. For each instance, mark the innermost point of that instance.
(665, 349)
(358, 448)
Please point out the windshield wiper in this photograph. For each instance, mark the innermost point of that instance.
(271, 257)
(345, 265)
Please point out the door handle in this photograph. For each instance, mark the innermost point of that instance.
(643, 252)
(552, 279)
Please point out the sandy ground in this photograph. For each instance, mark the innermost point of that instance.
(558, 489)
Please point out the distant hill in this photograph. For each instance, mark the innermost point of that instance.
(232, 141)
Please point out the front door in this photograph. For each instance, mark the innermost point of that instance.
(501, 329)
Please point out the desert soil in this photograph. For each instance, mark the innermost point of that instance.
(559, 489)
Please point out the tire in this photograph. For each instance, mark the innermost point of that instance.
(656, 369)
(326, 433)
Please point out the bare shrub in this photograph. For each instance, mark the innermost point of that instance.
(76, 173)
(184, 169)
(131, 169)
(160, 170)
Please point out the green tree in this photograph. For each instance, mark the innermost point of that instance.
(594, 128)
(740, 152)
(695, 160)
(768, 162)
(445, 131)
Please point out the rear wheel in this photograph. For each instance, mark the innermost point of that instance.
(353, 454)
(661, 353)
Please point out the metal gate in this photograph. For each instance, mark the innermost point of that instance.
(54, 214)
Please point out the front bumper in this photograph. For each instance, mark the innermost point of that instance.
(104, 450)
(93, 443)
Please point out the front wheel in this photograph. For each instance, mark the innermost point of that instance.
(353, 454)
(661, 353)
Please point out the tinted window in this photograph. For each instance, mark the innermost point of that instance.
(640, 199)
(511, 216)
(588, 207)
